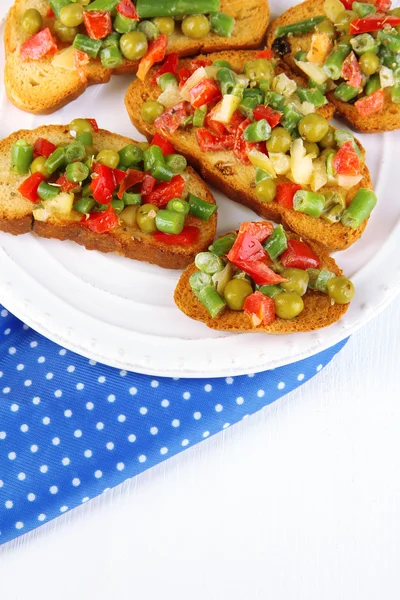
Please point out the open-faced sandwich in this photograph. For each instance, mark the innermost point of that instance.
(351, 51)
(263, 279)
(263, 138)
(56, 48)
(105, 192)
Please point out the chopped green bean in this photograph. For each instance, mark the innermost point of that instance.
(124, 24)
(130, 155)
(111, 40)
(84, 205)
(111, 57)
(199, 280)
(76, 172)
(209, 263)
(363, 9)
(300, 27)
(148, 9)
(160, 170)
(373, 84)
(270, 290)
(170, 221)
(118, 205)
(46, 191)
(259, 131)
(276, 243)
(149, 29)
(346, 92)
(226, 79)
(199, 117)
(151, 156)
(222, 63)
(166, 80)
(222, 24)
(85, 44)
(318, 279)
(309, 203)
(131, 199)
(104, 5)
(222, 245)
(21, 157)
(55, 160)
(176, 162)
(211, 300)
(359, 208)
(85, 138)
(75, 151)
(333, 64)
(200, 208)
(57, 5)
(364, 43)
(314, 96)
(178, 205)
(390, 40)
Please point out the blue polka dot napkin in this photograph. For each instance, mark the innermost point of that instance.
(70, 429)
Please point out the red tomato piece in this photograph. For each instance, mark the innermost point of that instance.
(131, 178)
(65, 185)
(28, 188)
(184, 75)
(155, 53)
(50, 14)
(200, 62)
(267, 54)
(94, 124)
(260, 272)
(103, 186)
(215, 127)
(39, 45)
(347, 4)
(119, 175)
(383, 5)
(285, 193)
(170, 65)
(236, 120)
(246, 248)
(165, 145)
(346, 161)
(101, 222)
(43, 147)
(260, 308)
(81, 59)
(260, 230)
(369, 105)
(98, 23)
(209, 142)
(164, 192)
(205, 92)
(351, 71)
(373, 23)
(127, 9)
(266, 112)
(171, 119)
(299, 255)
(148, 185)
(188, 236)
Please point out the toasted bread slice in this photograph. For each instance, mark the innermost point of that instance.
(39, 87)
(386, 120)
(318, 310)
(236, 180)
(16, 212)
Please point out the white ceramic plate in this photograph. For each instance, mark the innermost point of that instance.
(121, 312)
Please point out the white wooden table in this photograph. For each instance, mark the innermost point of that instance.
(299, 502)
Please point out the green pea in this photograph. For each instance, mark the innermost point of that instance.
(151, 110)
(297, 281)
(65, 34)
(236, 292)
(129, 215)
(109, 158)
(279, 141)
(32, 21)
(78, 126)
(146, 217)
(196, 27)
(133, 45)
(76, 172)
(165, 25)
(71, 15)
(341, 290)
(328, 141)
(312, 148)
(313, 127)
(266, 190)
(38, 166)
(259, 69)
(344, 19)
(369, 63)
(288, 305)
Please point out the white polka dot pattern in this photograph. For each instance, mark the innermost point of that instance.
(71, 428)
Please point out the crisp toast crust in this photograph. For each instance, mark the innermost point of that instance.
(38, 87)
(16, 212)
(386, 120)
(318, 310)
(236, 180)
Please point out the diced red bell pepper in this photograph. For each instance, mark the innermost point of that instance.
(165, 145)
(298, 255)
(65, 185)
(347, 4)
(101, 222)
(94, 124)
(200, 62)
(260, 272)
(148, 185)
(119, 175)
(43, 147)
(50, 14)
(205, 92)
(171, 119)
(28, 188)
(346, 161)
(285, 193)
(383, 6)
(209, 142)
(246, 248)
(170, 65)
(127, 9)
(81, 59)
(260, 308)
(104, 185)
(155, 53)
(184, 75)
(236, 120)
(373, 23)
(164, 192)
(260, 230)
(266, 112)
(351, 71)
(131, 178)
(215, 127)
(188, 236)
(39, 45)
(267, 54)
(372, 104)
(242, 148)
(98, 23)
